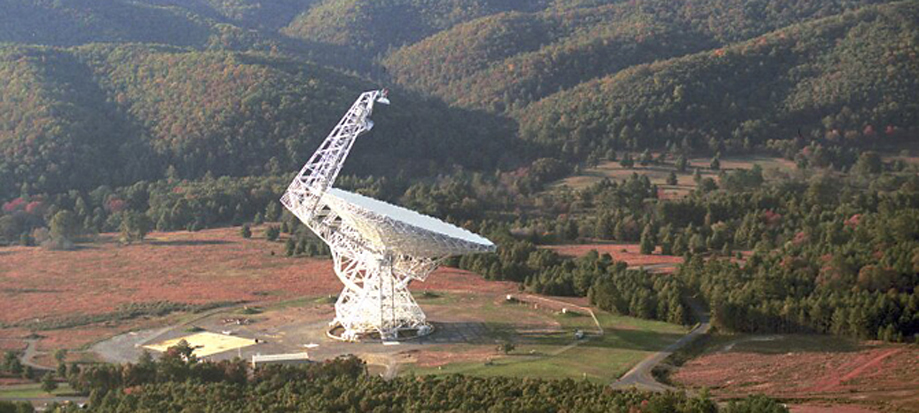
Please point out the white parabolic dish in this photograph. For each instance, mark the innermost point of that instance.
(377, 248)
(403, 231)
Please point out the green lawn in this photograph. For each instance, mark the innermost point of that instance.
(425, 298)
(626, 340)
(32, 390)
(584, 361)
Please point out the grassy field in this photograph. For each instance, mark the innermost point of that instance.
(550, 350)
(72, 299)
(39, 287)
(32, 391)
(659, 173)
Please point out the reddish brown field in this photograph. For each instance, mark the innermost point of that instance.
(183, 267)
(202, 267)
(827, 408)
(12, 345)
(628, 253)
(869, 375)
(453, 279)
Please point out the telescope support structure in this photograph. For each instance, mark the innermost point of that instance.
(375, 297)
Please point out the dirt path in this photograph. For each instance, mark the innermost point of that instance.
(832, 383)
(28, 357)
(564, 304)
(640, 376)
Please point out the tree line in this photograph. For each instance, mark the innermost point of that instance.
(180, 381)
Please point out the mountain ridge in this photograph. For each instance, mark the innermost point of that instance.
(242, 87)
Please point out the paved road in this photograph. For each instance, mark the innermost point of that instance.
(640, 376)
(127, 347)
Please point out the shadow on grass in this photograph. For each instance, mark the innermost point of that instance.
(538, 334)
(429, 297)
(792, 343)
(456, 332)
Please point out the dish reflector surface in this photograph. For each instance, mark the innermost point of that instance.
(402, 230)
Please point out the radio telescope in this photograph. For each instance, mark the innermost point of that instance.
(377, 248)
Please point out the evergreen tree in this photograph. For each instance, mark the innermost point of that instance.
(64, 226)
(272, 211)
(869, 163)
(13, 365)
(134, 226)
(667, 244)
(646, 158)
(672, 179)
(48, 384)
(682, 164)
(647, 240)
(697, 243)
(715, 165)
(627, 162)
(272, 233)
(290, 246)
(676, 315)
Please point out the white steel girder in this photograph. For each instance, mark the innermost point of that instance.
(377, 248)
(375, 297)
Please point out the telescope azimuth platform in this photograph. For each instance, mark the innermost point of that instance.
(377, 248)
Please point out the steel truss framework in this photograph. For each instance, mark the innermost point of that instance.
(375, 256)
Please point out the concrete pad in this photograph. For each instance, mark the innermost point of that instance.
(206, 343)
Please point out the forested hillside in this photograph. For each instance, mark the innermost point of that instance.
(509, 60)
(71, 23)
(240, 25)
(111, 93)
(261, 14)
(848, 79)
(375, 25)
(129, 115)
(233, 84)
(80, 118)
